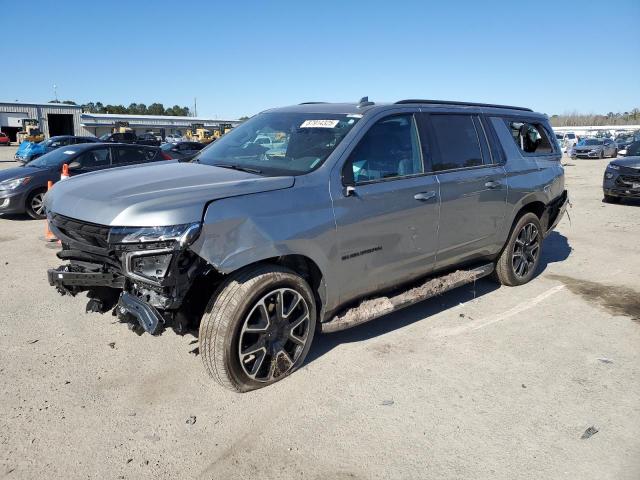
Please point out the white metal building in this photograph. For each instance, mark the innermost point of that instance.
(100, 123)
(54, 118)
(61, 119)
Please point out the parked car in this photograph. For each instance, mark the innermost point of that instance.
(4, 139)
(119, 137)
(370, 210)
(624, 141)
(173, 138)
(622, 179)
(29, 151)
(130, 137)
(633, 149)
(148, 139)
(182, 150)
(22, 188)
(567, 140)
(595, 148)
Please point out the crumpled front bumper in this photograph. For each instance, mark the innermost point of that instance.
(70, 282)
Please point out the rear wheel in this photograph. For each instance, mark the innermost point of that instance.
(601, 154)
(521, 255)
(258, 327)
(35, 204)
(615, 153)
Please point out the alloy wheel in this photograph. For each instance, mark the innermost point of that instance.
(526, 250)
(274, 335)
(37, 203)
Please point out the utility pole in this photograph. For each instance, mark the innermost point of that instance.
(195, 107)
(55, 92)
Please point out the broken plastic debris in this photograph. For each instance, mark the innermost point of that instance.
(589, 432)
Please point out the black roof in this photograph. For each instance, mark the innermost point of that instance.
(364, 107)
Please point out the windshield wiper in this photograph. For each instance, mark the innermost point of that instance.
(236, 167)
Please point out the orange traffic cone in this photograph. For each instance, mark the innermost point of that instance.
(48, 234)
(65, 172)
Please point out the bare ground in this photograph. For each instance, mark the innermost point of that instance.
(482, 382)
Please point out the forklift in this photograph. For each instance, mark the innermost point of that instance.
(30, 131)
(197, 133)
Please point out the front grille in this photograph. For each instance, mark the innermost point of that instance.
(84, 233)
(627, 180)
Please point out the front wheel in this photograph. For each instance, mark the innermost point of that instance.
(521, 255)
(35, 205)
(257, 328)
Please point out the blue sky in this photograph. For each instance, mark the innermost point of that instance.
(240, 57)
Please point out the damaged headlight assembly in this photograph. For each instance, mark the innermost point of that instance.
(151, 265)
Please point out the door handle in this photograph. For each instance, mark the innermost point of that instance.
(424, 196)
(492, 185)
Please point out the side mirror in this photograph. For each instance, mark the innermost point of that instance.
(75, 165)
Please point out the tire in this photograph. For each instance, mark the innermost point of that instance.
(601, 154)
(615, 153)
(34, 204)
(239, 323)
(611, 199)
(528, 245)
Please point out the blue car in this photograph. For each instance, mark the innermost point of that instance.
(29, 150)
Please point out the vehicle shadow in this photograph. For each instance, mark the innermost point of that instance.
(556, 248)
(634, 202)
(20, 217)
(324, 343)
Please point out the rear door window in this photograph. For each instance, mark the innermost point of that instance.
(457, 141)
(130, 156)
(530, 137)
(94, 159)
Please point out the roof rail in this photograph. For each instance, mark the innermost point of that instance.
(311, 103)
(463, 104)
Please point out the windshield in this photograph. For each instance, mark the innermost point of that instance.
(559, 136)
(54, 158)
(105, 136)
(280, 143)
(590, 141)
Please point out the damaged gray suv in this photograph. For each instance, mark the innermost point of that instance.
(347, 212)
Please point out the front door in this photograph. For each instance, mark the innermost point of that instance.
(387, 219)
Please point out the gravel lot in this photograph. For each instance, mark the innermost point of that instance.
(481, 383)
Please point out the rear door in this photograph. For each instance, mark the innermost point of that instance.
(131, 155)
(473, 190)
(387, 210)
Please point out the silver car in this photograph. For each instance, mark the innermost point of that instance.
(595, 148)
(366, 209)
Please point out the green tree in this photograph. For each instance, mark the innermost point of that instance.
(155, 109)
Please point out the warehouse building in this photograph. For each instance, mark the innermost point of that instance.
(100, 123)
(61, 119)
(54, 118)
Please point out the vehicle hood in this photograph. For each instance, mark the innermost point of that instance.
(156, 194)
(17, 172)
(588, 147)
(629, 162)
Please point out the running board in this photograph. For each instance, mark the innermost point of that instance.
(372, 308)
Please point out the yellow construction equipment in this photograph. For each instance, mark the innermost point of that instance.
(221, 129)
(197, 133)
(30, 131)
(121, 127)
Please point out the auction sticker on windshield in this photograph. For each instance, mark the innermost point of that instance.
(68, 152)
(319, 124)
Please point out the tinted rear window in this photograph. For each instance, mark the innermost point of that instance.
(457, 141)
